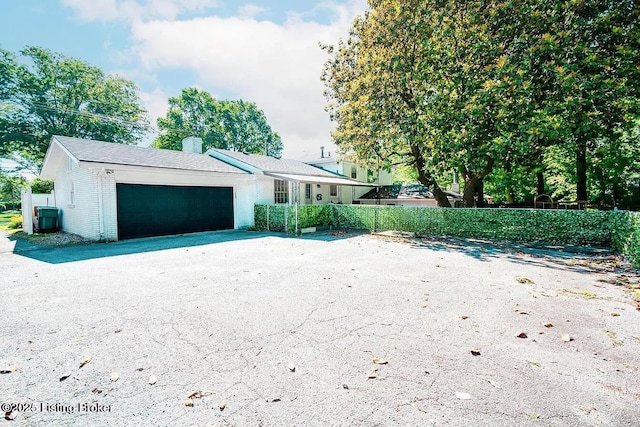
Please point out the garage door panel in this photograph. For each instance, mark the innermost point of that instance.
(156, 210)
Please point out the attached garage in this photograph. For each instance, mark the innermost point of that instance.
(108, 192)
(158, 210)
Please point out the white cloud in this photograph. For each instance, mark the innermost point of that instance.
(276, 66)
(156, 102)
(135, 10)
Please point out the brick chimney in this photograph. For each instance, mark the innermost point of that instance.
(192, 144)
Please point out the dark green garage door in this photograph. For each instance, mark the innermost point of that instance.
(158, 210)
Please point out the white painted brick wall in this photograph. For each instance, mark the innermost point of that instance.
(83, 216)
(110, 207)
(79, 217)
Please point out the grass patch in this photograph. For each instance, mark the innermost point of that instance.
(614, 339)
(583, 294)
(10, 220)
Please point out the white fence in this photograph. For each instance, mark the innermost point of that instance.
(30, 202)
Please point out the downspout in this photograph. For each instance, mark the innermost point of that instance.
(100, 205)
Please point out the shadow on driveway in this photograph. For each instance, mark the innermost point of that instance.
(84, 251)
(588, 259)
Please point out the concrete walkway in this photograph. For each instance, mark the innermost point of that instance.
(330, 329)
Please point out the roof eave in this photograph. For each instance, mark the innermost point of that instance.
(48, 170)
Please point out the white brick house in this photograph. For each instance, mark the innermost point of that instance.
(108, 192)
(96, 182)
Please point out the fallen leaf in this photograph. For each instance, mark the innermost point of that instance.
(566, 338)
(117, 331)
(292, 367)
(277, 399)
(373, 374)
(380, 361)
(85, 361)
(548, 325)
(96, 390)
(64, 377)
(493, 383)
(615, 314)
(345, 386)
(9, 416)
(139, 369)
(521, 335)
(8, 369)
(463, 396)
(153, 379)
(199, 393)
(115, 376)
(464, 317)
(188, 403)
(523, 280)
(541, 332)
(475, 352)
(222, 406)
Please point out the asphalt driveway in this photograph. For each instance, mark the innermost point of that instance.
(257, 329)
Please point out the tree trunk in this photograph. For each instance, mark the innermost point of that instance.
(540, 186)
(469, 194)
(479, 196)
(427, 179)
(471, 182)
(581, 171)
(440, 196)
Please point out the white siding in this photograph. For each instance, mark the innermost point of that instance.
(94, 211)
(80, 215)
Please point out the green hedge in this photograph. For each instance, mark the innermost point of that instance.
(625, 235)
(620, 230)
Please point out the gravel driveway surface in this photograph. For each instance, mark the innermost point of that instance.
(337, 329)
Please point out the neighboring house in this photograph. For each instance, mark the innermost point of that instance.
(107, 191)
(343, 166)
(406, 195)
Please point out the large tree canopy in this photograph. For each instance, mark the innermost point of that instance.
(45, 94)
(479, 86)
(231, 125)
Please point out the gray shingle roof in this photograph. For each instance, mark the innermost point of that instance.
(87, 150)
(271, 164)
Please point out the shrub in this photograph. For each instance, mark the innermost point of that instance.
(15, 222)
(620, 230)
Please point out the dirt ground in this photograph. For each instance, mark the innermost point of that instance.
(342, 329)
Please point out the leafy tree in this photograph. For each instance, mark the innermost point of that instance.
(41, 186)
(232, 125)
(10, 189)
(375, 84)
(485, 85)
(50, 94)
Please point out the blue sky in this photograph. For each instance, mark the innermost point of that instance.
(261, 51)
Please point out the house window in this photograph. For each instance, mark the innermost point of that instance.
(354, 172)
(307, 191)
(333, 190)
(281, 191)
